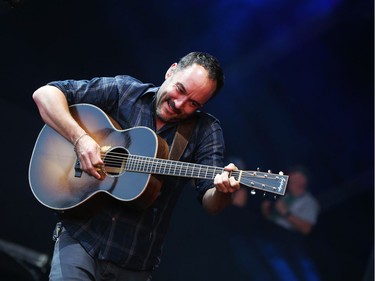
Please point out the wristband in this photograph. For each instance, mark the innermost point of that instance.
(77, 140)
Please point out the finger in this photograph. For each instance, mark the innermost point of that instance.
(230, 167)
(225, 176)
(95, 173)
(89, 164)
(218, 180)
(219, 183)
(235, 185)
(96, 164)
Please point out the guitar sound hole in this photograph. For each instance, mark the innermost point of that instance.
(115, 161)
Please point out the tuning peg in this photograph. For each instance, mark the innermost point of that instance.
(281, 173)
(269, 171)
(258, 169)
(253, 192)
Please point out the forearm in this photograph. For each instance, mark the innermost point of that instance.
(215, 201)
(54, 110)
(299, 224)
(220, 196)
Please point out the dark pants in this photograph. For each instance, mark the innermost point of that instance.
(71, 262)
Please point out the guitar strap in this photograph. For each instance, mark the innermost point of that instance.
(181, 138)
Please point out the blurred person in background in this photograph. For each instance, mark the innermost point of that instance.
(271, 244)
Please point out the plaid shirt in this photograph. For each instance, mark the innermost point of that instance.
(130, 238)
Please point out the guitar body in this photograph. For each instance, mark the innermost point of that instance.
(58, 183)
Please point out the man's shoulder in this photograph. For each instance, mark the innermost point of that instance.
(127, 79)
(129, 84)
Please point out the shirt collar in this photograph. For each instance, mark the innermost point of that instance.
(152, 90)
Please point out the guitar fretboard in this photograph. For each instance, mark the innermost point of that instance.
(158, 166)
(119, 163)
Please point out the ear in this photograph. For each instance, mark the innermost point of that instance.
(170, 70)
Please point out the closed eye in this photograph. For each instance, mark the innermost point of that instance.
(196, 104)
(181, 89)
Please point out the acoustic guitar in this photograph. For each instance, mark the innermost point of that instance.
(134, 163)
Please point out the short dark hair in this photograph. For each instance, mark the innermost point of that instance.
(208, 62)
(300, 169)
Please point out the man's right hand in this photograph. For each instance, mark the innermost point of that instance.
(88, 153)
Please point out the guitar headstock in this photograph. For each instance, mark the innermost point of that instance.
(268, 182)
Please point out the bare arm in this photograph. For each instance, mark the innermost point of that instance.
(54, 110)
(301, 225)
(298, 223)
(220, 196)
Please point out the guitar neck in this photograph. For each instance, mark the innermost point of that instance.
(275, 183)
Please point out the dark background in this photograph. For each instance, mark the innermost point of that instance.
(299, 90)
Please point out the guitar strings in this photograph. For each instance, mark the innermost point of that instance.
(117, 159)
(128, 162)
(159, 165)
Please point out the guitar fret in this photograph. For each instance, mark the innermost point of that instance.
(138, 165)
(164, 165)
(161, 167)
(190, 170)
(180, 169)
(194, 171)
(135, 163)
(186, 169)
(183, 167)
(169, 168)
(128, 165)
(142, 165)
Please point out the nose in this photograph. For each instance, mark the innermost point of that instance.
(180, 102)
